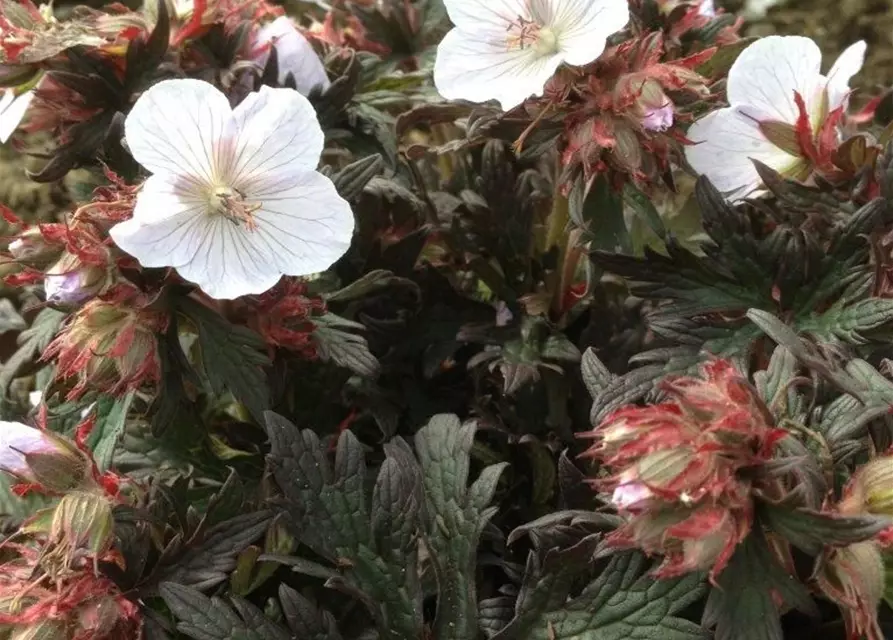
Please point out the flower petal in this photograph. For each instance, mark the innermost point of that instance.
(294, 54)
(12, 111)
(277, 128)
(17, 439)
(303, 225)
(768, 72)
(476, 65)
(167, 226)
(181, 127)
(727, 142)
(227, 264)
(473, 14)
(847, 65)
(583, 26)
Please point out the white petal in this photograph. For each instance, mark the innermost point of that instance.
(494, 13)
(294, 54)
(477, 66)
(768, 72)
(728, 141)
(303, 225)
(17, 439)
(12, 111)
(583, 26)
(181, 127)
(228, 265)
(847, 65)
(276, 128)
(167, 226)
(630, 494)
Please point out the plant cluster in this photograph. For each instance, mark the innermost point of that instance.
(440, 319)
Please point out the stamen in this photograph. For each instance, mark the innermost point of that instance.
(230, 203)
(522, 33)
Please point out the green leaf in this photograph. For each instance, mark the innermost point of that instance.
(456, 516)
(596, 375)
(111, 417)
(376, 546)
(204, 618)
(643, 207)
(810, 530)
(344, 348)
(10, 319)
(624, 602)
(851, 324)
(31, 342)
(207, 561)
(742, 605)
(598, 210)
(304, 618)
(232, 358)
(720, 62)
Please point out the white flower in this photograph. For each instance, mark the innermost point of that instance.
(12, 111)
(761, 89)
(18, 440)
(234, 201)
(507, 50)
(294, 55)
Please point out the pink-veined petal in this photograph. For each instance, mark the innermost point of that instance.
(181, 127)
(303, 225)
(498, 14)
(277, 129)
(167, 226)
(228, 264)
(295, 55)
(584, 26)
(12, 112)
(769, 71)
(847, 65)
(477, 66)
(727, 142)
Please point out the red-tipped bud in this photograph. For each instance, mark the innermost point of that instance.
(41, 457)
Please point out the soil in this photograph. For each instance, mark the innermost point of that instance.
(834, 25)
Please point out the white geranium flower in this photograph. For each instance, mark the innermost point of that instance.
(507, 50)
(12, 111)
(762, 87)
(234, 201)
(294, 55)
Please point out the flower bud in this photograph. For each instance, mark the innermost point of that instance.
(870, 489)
(31, 247)
(42, 457)
(72, 282)
(83, 520)
(853, 577)
(109, 345)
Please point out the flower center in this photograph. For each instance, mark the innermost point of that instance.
(230, 203)
(527, 34)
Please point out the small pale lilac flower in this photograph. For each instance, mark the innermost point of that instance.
(659, 119)
(18, 440)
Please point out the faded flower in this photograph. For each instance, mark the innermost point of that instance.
(676, 468)
(41, 457)
(234, 202)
